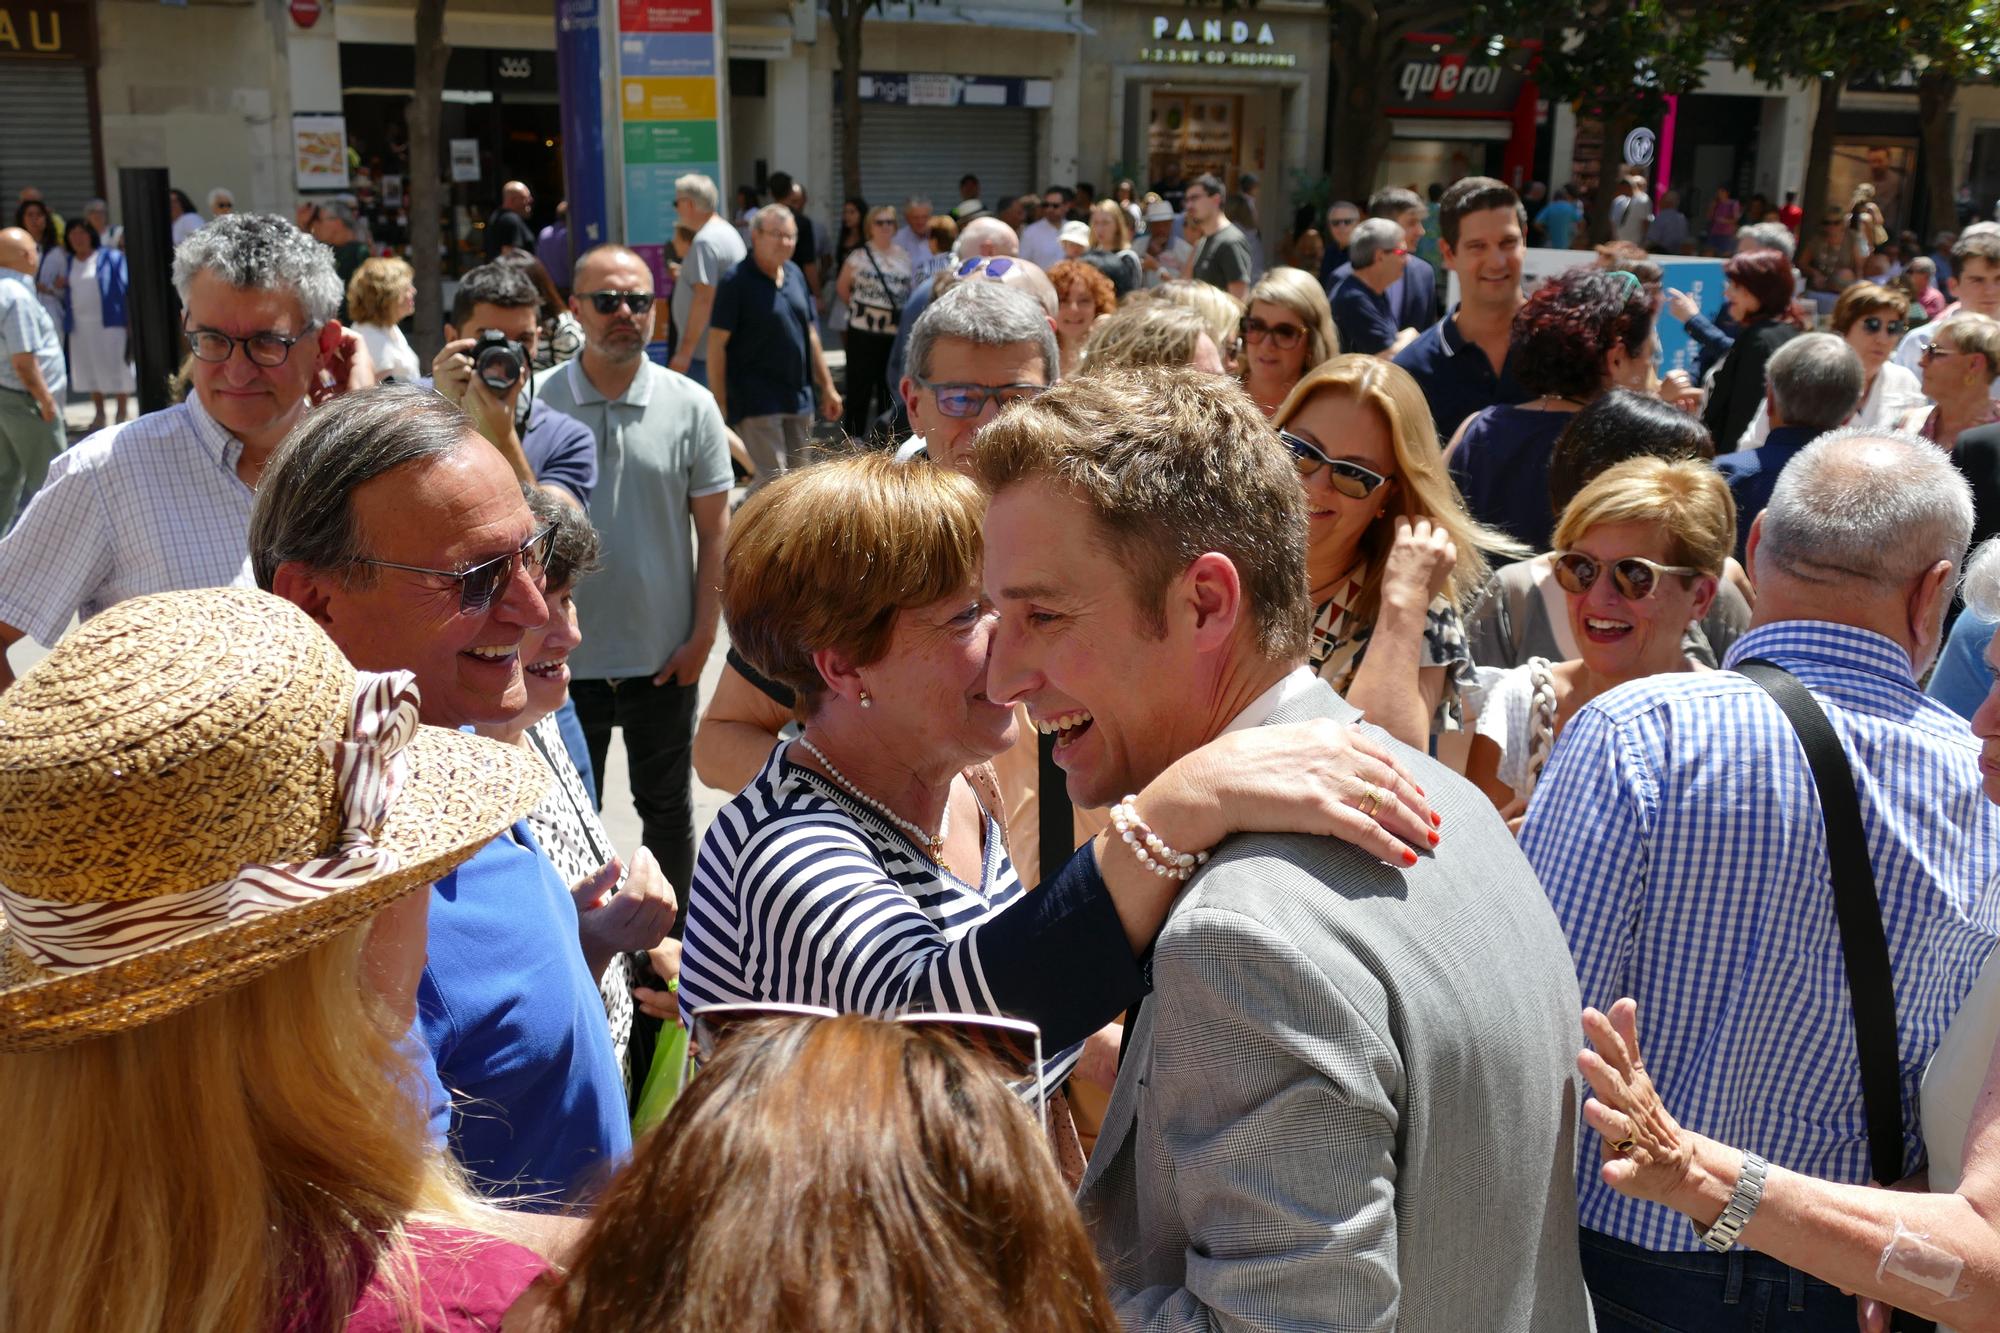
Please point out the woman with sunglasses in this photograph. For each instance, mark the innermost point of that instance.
(1959, 364)
(1083, 296)
(1639, 555)
(1392, 557)
(874, 283)
(1287, 331)
(1872, 318)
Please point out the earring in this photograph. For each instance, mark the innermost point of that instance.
(866, 702)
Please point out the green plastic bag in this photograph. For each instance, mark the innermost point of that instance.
(663, 1079)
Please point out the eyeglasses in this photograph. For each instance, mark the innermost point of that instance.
(1350, 479)
(607, 303)
(269, 350)
(990, 266)
(969, 400)
(1286, 336)
(1052, 203)
(1635, 577)
(1932, 351)
(1011, 1046)
(883, 222)
(1342, 222)
(479, 585)
(1876, 324)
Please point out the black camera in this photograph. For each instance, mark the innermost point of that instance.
(499, 361)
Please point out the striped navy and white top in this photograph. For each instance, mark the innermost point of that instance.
(802, 895)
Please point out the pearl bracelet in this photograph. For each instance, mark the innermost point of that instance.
(1146, 845)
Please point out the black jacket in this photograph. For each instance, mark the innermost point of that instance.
(1739, 381)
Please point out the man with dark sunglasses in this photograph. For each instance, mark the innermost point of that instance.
(649, 616)
(1041, 239)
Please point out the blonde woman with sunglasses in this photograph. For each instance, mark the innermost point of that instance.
(1287, 330)
(1392, 556)
(1639, 555)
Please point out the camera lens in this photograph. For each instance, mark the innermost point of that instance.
(499, 364)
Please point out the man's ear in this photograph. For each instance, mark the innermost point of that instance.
(451, 334)
(1211, 593)
(308, 589)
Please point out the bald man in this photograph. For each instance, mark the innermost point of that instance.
(32, 379)
(507, 231)
(981, 238)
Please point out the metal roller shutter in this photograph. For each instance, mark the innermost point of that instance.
(45, 136)
(908, 150)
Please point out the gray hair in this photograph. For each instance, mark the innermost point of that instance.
(915, 201)
(577, 552)
(1866, 505)
(985, 314)
(768, 215)
(1769, 236)
(342, 209)
(1372, 237)
(218, 195)
(1815, 381)
(260, 252)
(1922, 264)
(699, 188)
(304, 510)
(1981, 587)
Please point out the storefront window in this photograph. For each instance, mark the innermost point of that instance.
(1190, 134)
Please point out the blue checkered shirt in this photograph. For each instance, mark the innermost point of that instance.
(1678, 834)
(154, 505)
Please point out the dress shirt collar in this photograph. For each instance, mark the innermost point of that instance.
(26, 280)
(637, 394)
(1290, 686)
(1827, 643)
(222, 447)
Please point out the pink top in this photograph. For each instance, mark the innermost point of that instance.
(466, 1282)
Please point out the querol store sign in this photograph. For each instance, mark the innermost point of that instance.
(1214, 42)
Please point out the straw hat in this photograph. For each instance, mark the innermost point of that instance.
(197, 786)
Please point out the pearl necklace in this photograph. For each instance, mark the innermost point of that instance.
(931, 842)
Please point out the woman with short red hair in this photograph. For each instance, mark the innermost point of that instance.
(1757, 289)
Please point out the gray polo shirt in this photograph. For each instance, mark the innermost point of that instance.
(717, 248)
(659, 445)
(26, 326)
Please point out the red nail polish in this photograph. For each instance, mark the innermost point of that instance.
(1434, 838)
(1437, 820)
(1409, 857)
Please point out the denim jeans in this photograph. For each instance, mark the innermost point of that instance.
(1653, 1291)
(658, 722)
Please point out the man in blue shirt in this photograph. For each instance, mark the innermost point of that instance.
(391, 557)
(1812, 385)
(32, 378)
(546, 448)
(1680, 837)
(764, 386)
(1559, 217)
(1412, 297)
(1361, 311)
(1461, 362)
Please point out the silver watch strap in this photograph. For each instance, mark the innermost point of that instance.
(1749, 1193)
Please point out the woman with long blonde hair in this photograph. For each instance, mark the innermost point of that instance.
(1287, 330)
(1393, 559)
(216, 837)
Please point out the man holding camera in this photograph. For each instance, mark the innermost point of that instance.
(649, 615)
(484, 369)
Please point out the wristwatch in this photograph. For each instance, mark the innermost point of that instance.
(1749, 1193)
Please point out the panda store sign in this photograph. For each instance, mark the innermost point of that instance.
(1214, 41)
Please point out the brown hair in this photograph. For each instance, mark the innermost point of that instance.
(839, 1173)
(376, 289)
(1423, 488)
(1865, 298)
(942, 228)
(1173, 463)
(1686, 497)
(1299, 292)
(828, 554)
(1071, 271)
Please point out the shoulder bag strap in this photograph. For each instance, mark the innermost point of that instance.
(1864, 947)
(888, 288)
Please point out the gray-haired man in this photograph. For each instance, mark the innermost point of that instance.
(975, 349)
(1811, 385)
(717, 248)
(163, 502)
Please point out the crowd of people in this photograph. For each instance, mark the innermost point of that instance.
(1227, 756)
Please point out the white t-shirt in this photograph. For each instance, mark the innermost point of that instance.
(394, 359)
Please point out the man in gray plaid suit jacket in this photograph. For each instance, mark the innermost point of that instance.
(1351, 1099)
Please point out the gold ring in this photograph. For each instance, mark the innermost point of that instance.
(1374, 799)
(1622, 1147)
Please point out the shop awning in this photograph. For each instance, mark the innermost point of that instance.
(1021, 20)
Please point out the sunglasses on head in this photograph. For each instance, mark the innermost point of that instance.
(1012, 1047)
(1350, 479)
(479, 585)
(986, 266)
(1876, 324)
(1635, 577)
(1286, 336)
(607, 303)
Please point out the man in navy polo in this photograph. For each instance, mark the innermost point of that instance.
(1461, 361)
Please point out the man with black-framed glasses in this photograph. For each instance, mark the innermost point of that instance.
(648, 617)
(161, 503)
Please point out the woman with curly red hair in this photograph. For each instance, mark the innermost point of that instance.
(1757, 289)
(1581, 333)
(1083, 296)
